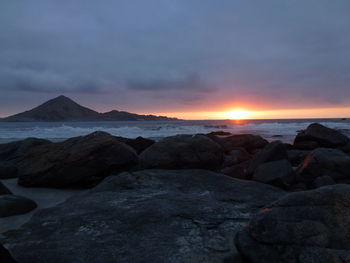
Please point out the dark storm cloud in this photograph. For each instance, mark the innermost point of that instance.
(137, 51)
(192, 82)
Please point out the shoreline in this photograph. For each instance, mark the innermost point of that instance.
(186, 193)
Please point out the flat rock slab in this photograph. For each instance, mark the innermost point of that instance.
(145, 216)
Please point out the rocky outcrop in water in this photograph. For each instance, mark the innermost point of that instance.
(317, 135)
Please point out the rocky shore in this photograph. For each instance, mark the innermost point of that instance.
(214, 197)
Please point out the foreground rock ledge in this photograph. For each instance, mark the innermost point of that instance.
(145, 216)
(311, 226)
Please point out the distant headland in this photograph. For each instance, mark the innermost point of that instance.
(63, 108)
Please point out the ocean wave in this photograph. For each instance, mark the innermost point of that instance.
(155, 130)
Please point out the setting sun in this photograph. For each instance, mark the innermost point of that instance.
(238, 114)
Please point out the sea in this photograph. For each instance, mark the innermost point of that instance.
(283, 129)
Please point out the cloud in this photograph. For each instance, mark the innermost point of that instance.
(188, 51)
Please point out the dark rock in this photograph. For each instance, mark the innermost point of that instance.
(324, 136)
(8, 169)
(183, 152)
(279, 173)
(306, 145)
(147, 216)
(324, 162)
(4, 190)
(288, 146)
(216, 126)
(12, 153)
(298, 187)
(11, 205)
(5, 256)
(236, 171)
(323, 181)
(236, 156)
(277, 136)
(220, 133)
(78, 162)
(296, 157)
(273, 151)
(247, 141)
(139, 144)
(302, 227)
(346, 148)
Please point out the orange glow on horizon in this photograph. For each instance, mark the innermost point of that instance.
(237, 114)
(240, 114)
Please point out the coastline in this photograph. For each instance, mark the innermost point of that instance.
(117, 191)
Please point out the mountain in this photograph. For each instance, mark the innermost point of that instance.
(63, 108)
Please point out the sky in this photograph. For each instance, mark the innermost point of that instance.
(194, 59)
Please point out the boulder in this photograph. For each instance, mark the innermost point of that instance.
(183, 152)
(139, 144)
(8, 169)
(273, 151)
(302, 227)
(324, 162)
(306, 145)
(236, 156)
(11, 205)
(236, 171)
(77, 162)
(296, 157)
(346, 148)
(324, 136)
(146, 216)
(279, 173)
(323, 181)
(247, 141)
(4, 190)
(11, 153)
(5, 256)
